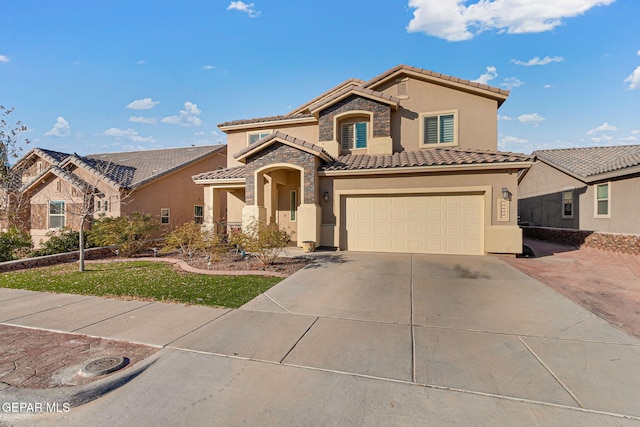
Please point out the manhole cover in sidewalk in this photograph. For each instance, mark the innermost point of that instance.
(104, 365)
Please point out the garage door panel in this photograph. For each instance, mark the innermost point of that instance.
(415, 223)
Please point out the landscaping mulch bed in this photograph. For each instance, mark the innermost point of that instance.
(234, 261)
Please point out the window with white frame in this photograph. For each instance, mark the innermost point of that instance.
(164, 215)
(439, 128)
(294, 204)
(353, 135)
(56, 214)
(198, 214)
(603, 197)
(257, 136)
(567, 203)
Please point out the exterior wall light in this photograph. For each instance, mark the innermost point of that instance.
(325, 196)
(506, 194)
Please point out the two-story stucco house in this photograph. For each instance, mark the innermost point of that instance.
(404, 162)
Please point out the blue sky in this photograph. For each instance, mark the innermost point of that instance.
(90, 77)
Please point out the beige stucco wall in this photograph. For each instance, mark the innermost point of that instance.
(74, 208)
(477, 126)
(477, 115)
(237, 139)
(175, 191)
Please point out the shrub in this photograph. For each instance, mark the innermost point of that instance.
(266, 242)
(60, 241)
(128, 234)
(12, 242)
(192, 240)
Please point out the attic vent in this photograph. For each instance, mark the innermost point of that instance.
(402, 88)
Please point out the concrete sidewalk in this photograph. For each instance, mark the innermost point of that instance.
(355, 339)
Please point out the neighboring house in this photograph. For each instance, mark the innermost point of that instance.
(404, 162)
(61, 187)
(595, 189)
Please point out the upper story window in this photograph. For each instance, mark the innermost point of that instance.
(254, 137)
(603, 196)
(56, 214)
(353, 135)
(567, 203)
(439, 128)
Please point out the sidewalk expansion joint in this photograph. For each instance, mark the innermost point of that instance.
(111, 317)
(564, 386)
(276, 303)
(299, 339)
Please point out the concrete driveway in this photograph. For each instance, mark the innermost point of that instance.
(381, 339)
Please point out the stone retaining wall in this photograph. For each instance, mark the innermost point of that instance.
(22, 264)
(623, 243)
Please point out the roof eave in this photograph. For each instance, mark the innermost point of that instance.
(500, 95)
(269, 123)
(436, 168)
(315, 109)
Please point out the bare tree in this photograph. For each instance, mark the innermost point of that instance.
(12, 202)
(92, 193)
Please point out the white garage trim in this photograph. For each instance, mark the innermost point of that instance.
(482, 192)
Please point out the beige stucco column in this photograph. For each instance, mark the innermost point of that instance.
(309, 221)
(251, 215)
(212, 211)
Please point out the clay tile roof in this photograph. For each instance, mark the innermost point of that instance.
(264, 120)
(133, 168)
(430, 157)
(283, 136)
(357, 90)
(592, 161)
(236, 172)
(57, 156)
(430, 73)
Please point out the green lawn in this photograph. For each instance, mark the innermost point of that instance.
(141, 280)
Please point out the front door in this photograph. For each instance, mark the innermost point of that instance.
(288, 201)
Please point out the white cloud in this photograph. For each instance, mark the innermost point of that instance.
(143, 104)
(61, 129)
(209, 67)
(129, 134)
(241, 6)
(507, 118)
(141, 62)
(452, 20)
(634, 79)
(145, 120)
(4, 58)
(547, 86)
(492, 73)
(511, 83)
(513, 140)
(628, 139)
(532, 118)
(602, 138)
(537, 61)
(187, 117)
(605, 127)
(635, 131)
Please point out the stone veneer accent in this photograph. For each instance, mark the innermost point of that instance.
(623, 243)
(381, 116)
(282, 153)
(22, 264)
